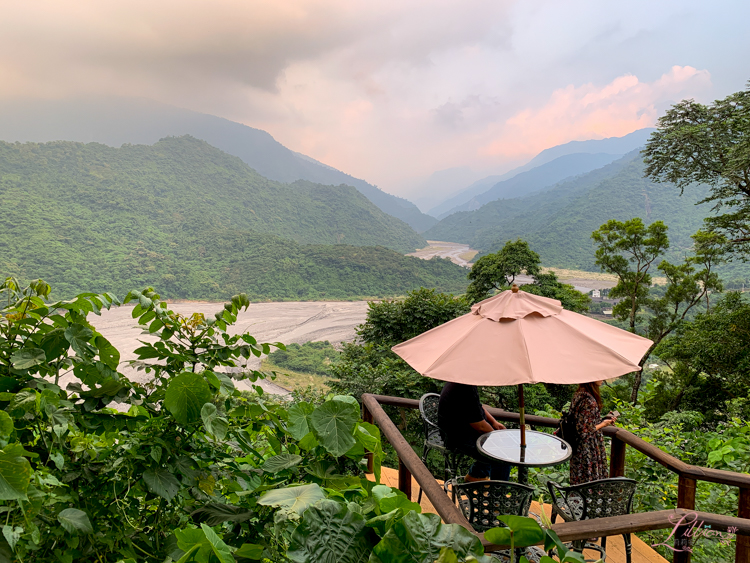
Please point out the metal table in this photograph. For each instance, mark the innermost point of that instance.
(541, 449)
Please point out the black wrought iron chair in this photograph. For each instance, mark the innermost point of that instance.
(595, 499)
(483, 502)
(428, 408)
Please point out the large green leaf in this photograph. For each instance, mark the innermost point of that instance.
(26, 400)
(299, 414)
(185, 396)
(15, 473)
(79, 335)
(161, 482)
(330, 532)
(389, 499)
(55, 344)
(6, 424)
(216, 425)
(12, 535)
(249, 551)
(333, 423)
(418, 538)
(292, 499)
(280, 462)
(28, 358)
(75, 521)
(220, 549)
(107, 353)
(215, 513)
(525, 531)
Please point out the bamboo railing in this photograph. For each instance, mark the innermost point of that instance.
(409, 464)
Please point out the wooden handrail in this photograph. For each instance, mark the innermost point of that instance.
(688, 475)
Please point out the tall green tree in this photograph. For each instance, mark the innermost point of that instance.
(709, 144)
(628, 250)
(499, 270)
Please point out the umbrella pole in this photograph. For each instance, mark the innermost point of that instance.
(522, 414)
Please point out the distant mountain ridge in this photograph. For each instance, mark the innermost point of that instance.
(115, 121)
(616, 146)
(539, 178)
(557, 223)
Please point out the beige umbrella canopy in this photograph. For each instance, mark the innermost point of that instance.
(515, 338)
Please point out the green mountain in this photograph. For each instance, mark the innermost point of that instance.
(114, 121)
(612, 145)
(195, 222)
(558, 222)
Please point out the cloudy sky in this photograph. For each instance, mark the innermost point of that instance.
(394, 90)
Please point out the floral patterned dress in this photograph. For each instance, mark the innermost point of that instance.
(589, 462)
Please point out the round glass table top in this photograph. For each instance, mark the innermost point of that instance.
(541, 449)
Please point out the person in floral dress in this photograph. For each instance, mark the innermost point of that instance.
(589, 461)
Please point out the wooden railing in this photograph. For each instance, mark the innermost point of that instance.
(688, 475)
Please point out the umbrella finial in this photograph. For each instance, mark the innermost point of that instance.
(514, 288)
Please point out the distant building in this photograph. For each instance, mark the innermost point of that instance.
(596, 294)
(607, 311)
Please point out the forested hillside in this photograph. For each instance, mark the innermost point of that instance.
(79, 194)
(196, 223)
(558, 223)
(215, 262)
(114, 121)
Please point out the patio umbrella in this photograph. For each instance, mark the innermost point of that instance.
(517, 337)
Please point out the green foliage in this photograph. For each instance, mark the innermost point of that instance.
(198, 223)
(628, 250)
(708, 144)
(498, 271)
(392, 321)
(683, 436)
(310, 357)
(369, 366)
(710, 364)
(188, 468)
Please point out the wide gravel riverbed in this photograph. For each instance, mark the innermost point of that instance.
(289, 323)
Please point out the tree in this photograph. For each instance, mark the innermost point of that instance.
(499, 270)
(547, 285)
(709, 360)
(708, 144)
(622, 244)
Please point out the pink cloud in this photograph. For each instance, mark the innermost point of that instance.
(590, 112)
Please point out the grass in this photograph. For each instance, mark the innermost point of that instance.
(565, 274)
(468, 256)
(295, 381)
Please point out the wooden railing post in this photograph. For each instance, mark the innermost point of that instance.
(617, 458)
(404, 479)
(742, 547)
(685, 499)
(367, 417)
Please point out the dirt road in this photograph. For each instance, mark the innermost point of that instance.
(288, 323)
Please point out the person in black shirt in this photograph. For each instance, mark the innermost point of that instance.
(462, 419)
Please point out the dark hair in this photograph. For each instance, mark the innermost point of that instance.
(592, 389)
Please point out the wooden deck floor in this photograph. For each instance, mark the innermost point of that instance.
(642, 553)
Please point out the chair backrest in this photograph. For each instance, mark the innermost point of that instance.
(428, 408)
(598, 499)
(483, 501)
